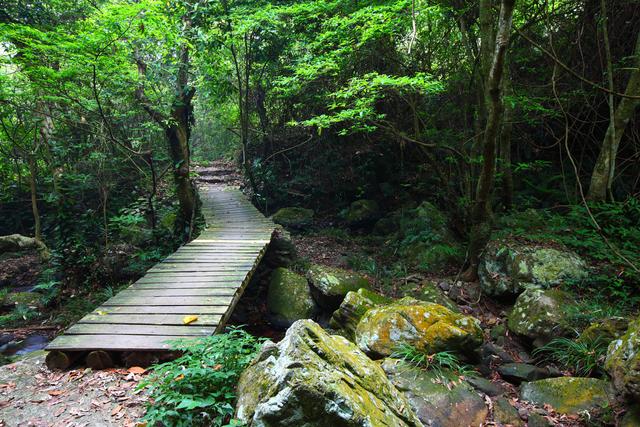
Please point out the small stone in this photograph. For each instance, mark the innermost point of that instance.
(438, 399)
(518, 372)
(505, 414)
(485, 386)
(568, 394)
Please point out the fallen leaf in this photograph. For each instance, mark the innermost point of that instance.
(136, 370)
(115, 410)
(179, 377)
(189, 319)
(55, 392)
(142, 424)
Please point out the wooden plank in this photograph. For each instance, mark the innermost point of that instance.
(124, 329)
(163, 292)
(160, 309)
(171, 301)
(113, 342)
(150, 319)
(188, 285)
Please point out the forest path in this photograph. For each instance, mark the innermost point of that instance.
(202, 280)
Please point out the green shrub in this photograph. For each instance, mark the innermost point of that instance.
(436, 362)
(198, 388)
(583, 358)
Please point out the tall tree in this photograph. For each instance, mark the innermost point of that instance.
(481, 211)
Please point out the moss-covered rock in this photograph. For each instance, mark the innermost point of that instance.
(568, 394)
(438, 399)
(289, 298)
(428, 327)
(507, 268)
(329, 285)
(605, 330)
(281, 251)
(362, 213)
(355, 305)
(313, 379)
(429, 292)
(540, 315)
(519, 372)
(623, 361)
(293, 217)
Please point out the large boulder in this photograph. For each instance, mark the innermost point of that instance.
(354, 306)
(623, 361)
(604, 330)
(330, 285)
(540, 315)
(507, 268)
(362, 213)
(18, 242)
(289, 298)
(439, 399)
(313, 379)
(426, 326)
(293, 217)
(568, 394)
(428, 291)
(281, 251)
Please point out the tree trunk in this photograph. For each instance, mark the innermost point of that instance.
(481, 212)
(505, 146)
(604, 169)
(33, 179)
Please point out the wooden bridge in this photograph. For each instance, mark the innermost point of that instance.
(204, 279)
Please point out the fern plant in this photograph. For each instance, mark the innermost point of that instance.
(198, 388)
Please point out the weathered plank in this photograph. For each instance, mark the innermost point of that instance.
(127, 329)
(204, 278)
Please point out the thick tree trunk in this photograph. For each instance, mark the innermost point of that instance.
(505, 146)
(604, 169)
(481, 213)
(33, 179)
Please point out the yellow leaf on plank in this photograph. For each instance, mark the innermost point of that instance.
(189, 319)
(101, 313)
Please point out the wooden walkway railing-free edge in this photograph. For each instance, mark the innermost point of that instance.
(204, 278)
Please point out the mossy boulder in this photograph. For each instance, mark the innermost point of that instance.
(507, 268)
(426, 326)
(429, 292)
(281, 251)
(568, 394)
(313, 379)
(623, 361)
(329, 285)
(540, 315)
(505, 414)
(354, 306)
(518, 372)
(362, 213)
(289, 298)
(293, 217)
(438, 399)
(605, 330)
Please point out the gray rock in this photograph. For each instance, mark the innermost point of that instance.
(568, 394)
(293, 217)
(355, 305)
(329, 285)
(313, 379)
(623, 361)
(362, 213)
(485, 386)
(438, 401)
(289, 298)
(518, 372)
(507, 268)
(505, 414)
(540, 315)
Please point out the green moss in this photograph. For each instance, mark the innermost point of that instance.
(567, 394)
(623, 361)
(362, 212)
(294, 217)
(289, 298)
(428, 327)
(330, 285)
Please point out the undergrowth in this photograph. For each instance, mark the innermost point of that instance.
(198, 388)
(583, 357)
(438, 363)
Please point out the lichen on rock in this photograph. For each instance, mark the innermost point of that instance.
(507, 268)
(330, 285)
(289, 298)
(568, 394)
(355, 305)
(623, 361)
(313, 379)
(293, 217)
(540, 315)
(426, 326)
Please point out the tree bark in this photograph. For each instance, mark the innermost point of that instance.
(604, 169)
(481, 212)
(505, 145)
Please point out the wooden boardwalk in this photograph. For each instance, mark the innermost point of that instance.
(204, 278)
